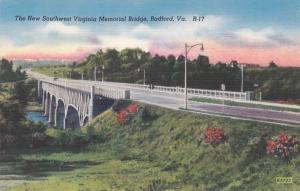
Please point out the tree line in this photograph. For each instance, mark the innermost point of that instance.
(129, 65)
(8, 74)
(15, 130)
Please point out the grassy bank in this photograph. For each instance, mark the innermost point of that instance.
(158, 149)
(242, 104)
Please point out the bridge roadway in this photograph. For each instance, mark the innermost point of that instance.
(176, 101)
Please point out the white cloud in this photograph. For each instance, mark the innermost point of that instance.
(251, 37)
(178, 32)
(58, 36)
(122, 41)
(62, 29)
(265, 37)
(166, 37)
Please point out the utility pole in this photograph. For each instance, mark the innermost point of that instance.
(242, 81)
(144, 77)
(95, 73)
(185, 76)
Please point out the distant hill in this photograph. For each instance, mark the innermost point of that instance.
(40, 63)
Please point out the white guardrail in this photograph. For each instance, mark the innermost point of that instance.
(179, 90)
(107, 91)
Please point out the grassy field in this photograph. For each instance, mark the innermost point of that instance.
(59, 71)
(157, 150)
(242, 104)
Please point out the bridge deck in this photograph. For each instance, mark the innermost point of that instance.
(175, 100)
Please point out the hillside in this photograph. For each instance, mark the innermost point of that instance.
(161, 149)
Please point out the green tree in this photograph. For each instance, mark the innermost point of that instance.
(178, 69)
(6, 66)
(24, 91)
(272, 64)
(112, 61)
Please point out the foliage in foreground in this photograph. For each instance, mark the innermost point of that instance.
(282, 146)
(160, 149)
(15, 130)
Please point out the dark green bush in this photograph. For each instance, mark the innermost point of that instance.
(119, 105)
(70, 137)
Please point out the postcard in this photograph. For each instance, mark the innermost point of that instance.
(149, 95)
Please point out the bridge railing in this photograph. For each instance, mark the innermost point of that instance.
(113, 93)
(106, 91)
(164, 89)
(70, 85)
(133, 86)
(218, 94)
(203, 92)
(179, 90)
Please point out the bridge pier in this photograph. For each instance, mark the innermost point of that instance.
(55, 116)
(60, 115)
(47, 104)
(43, 100)
(91, 104)
(39, 91)
(52, 109)
(50, 114)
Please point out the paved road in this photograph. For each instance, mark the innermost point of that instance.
(175, 101)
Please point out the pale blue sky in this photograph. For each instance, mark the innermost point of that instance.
(238, 23)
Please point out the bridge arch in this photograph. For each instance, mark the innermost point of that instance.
(60, 114)
(72, 120)
(85, 120)
(70, 106)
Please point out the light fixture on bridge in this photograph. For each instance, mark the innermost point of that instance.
(187, 50)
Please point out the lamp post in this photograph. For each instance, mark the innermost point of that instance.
(139, 56)
(187, 50)
(242, 80)
(95, 73)
(144, 77)
(103, 67)
(139, 69)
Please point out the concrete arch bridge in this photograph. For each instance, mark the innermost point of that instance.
(70, 105)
